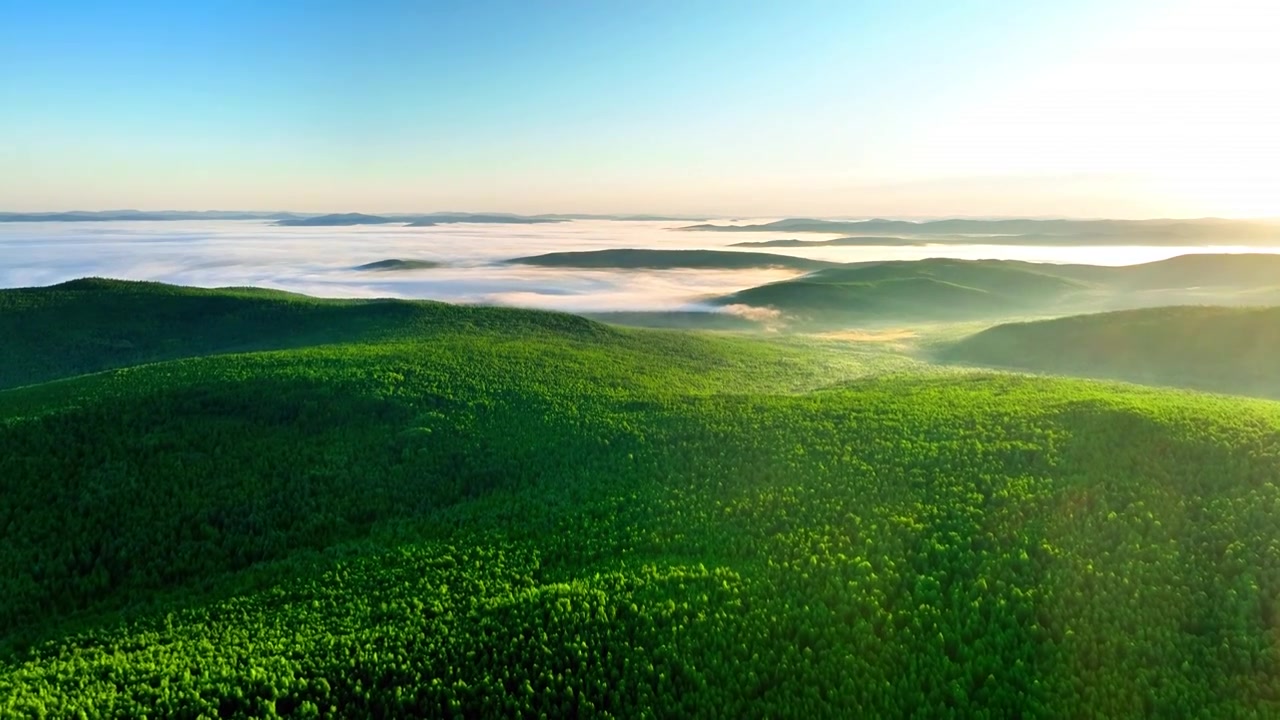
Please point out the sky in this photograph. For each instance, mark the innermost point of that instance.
(907, 108)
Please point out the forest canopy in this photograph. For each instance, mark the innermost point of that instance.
(427, 510)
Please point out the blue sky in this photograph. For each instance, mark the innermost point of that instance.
(755, 108)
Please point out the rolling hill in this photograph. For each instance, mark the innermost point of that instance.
(942, 289)
(890, 292)
(338, 220)
(440, 511)
(137, 215)
(1221, 349)
(394, 265)
(94, 324)
(1207, 231)
(628, 258)
(677, 319)
(283, 218)
(1209, 271)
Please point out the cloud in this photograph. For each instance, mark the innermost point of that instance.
(322, 261)
(753, 313)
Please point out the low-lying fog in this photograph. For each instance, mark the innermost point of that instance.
(321, 260)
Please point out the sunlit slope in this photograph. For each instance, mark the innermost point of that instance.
(897, 291)
(495, 521)
(678, 320)
(1231, 271)
(1234, 350)
(941, 289)
(94, 324)
(316, 422)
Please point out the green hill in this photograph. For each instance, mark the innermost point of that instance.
(486, 513)
(338, 219)
(1209, 348)
(889, 292)
(1006, 277)
(93, 324)
(941, 289)
(1237, 271)
(677, 319)
(885, 301)
(628, 258)
(394, 265)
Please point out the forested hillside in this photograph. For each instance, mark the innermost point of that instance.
(914, 291)
(944, 289)
(96, 324)
(1222, 349)
(489, 513)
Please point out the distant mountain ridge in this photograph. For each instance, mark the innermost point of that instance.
(134, 215)
(339, 219)
(653, 259)
(430, 220)
(281, 218)
(1006, 231)
(642, 217)
(1034, 232)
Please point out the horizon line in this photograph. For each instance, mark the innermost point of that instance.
(673, 216)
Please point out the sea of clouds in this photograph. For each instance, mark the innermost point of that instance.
(322, 260)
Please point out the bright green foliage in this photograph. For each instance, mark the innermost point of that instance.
(503, 521)
(94, 324)
(941, 289)
(912, 291)
(631, 258)
(678, 319)
(1234, 350)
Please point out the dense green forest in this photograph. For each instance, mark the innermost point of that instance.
(1223, 349)
(688, 319)
(279, 506)
(943, 289)
(94, 324)
(912, 291)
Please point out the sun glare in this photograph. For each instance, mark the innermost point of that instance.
(1187, 104)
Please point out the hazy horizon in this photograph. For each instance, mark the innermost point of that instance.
(605, 214)
(323, 261)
